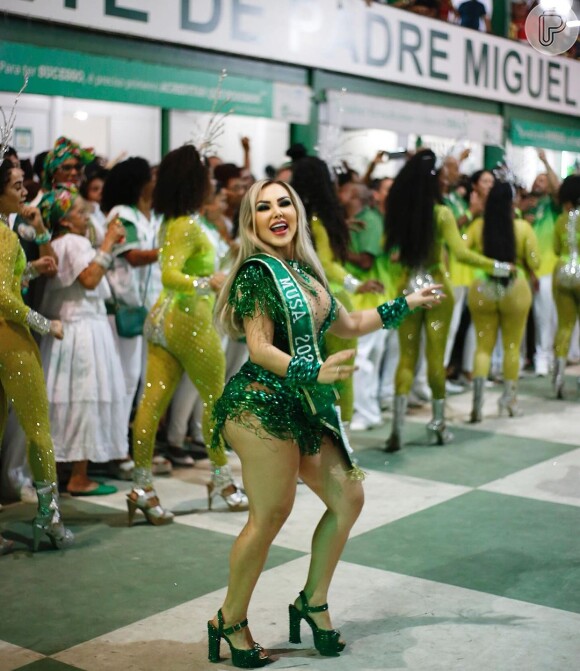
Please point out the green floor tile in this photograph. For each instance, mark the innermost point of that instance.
(506, 545)
(113, 576)
(473, 459)
(48, 665)
(541, 387)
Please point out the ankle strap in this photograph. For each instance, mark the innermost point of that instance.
(230, 630)
(306, 608)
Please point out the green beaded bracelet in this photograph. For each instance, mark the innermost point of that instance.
(302, 371)
(392, 313)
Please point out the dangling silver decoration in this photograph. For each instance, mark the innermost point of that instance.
(8, 123)
(205, 139)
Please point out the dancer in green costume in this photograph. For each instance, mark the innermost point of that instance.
(278, 412)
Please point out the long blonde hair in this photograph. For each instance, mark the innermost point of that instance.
(251, 244)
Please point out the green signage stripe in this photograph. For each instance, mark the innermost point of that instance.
(78, 75)
(528, 133)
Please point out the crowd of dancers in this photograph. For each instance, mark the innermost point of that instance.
(321, 298)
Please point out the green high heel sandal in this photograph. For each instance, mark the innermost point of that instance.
(326, 641)
(243, 659)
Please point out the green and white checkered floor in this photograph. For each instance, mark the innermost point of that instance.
(466, 558)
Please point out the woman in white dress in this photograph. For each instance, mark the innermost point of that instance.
(127, 195)
(86, 389)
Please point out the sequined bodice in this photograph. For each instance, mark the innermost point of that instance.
(254, 292)
(319, 299)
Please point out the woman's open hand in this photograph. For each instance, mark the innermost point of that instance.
(427, 297)
(335, 368)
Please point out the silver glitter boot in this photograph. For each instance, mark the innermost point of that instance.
(437, 428)
(508, 401)
(395, 440)
(143, 497)
(558, 379)
(222, 484)
(478, 386)
(48, 521)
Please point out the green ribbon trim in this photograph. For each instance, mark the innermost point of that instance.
(304, 343)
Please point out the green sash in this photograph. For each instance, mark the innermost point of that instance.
(303, 342)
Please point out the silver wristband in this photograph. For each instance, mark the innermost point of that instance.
(30, 273)
(501, 269)
(38, 323)
(103, 259)
(351, 284)
(202, 286)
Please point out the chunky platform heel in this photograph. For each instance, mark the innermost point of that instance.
(221, 481)
(244, 659)
(146, 500)
(326, 641)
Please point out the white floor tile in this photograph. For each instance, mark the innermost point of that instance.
(390, 622)
(556, 480)
(13, 657)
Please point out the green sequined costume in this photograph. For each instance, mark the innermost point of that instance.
(282, 410)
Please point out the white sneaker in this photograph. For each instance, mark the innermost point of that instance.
(28, 494)
(121, 470)
(452, 388)
(359, 424)
(423, 392)
(161, 465)
(413, 401)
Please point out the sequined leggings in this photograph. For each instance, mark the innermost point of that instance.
(508, 313)
(436, 323)
(22, 382)
(193, 346)
(568, 308)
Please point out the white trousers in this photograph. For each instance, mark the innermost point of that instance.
(368, 358)
(131, 353)
(460, 296)
(546, 322)
(185, 414)
(187, 407)
(389, 365)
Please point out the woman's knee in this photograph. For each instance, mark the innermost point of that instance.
(270, 520)
(350, 504)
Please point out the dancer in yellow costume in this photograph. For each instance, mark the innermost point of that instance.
(501, 303)
(460, 274)
(417, 227)
(566, 284)
(180, 331)
(21, 377)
